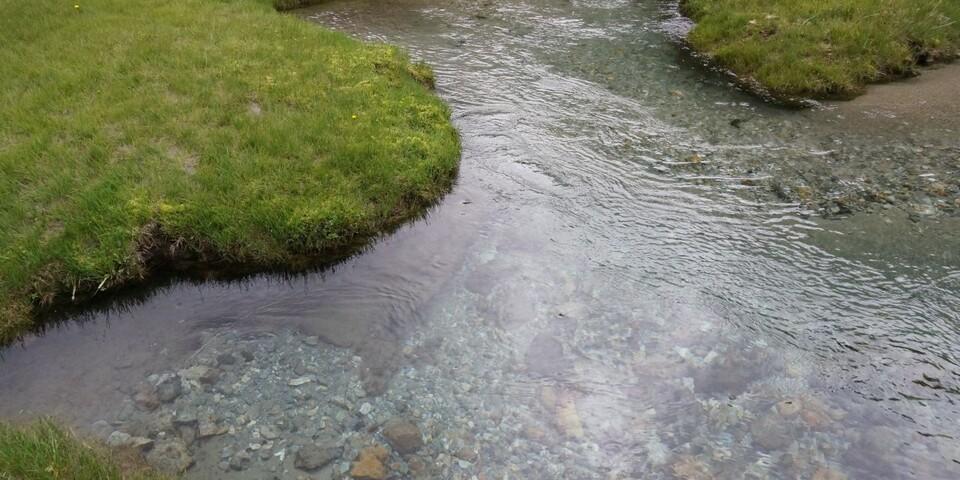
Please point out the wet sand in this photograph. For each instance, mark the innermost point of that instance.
(933, 96)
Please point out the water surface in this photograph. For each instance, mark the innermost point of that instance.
(587, 303)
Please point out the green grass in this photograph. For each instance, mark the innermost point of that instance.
(43, 451)
(824, 48)
(132, 130)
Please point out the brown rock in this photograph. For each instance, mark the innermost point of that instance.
(466, 453)
(170, 456)
(369, 464)
(145, 398)
(403, 435)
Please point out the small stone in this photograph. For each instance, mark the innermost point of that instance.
(296, 382)
(467, 454)
(369, 464)
(101, 429)
(312, 340)
(314, 456)
(201, 374)
(269, 432)
(366, 408)
(188, 433)
(118, 439)
(208, 428)
(568, 419)
(240, 461)
(185, 418)
(246, 355)
(545, 357)
(145, 398)
(170, 456)
(403, 435)
(789, 407)
(141, 443)
(169, 388)
(226, 359)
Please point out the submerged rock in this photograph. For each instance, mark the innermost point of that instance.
(545, 356)
(118, 439)
(200, 374)
(771, 433)
(789, 407)
(145, 398)
(568, 419)
(404, 436)
(369, 464)
(169, 388)
(314, 456)
(170, 457)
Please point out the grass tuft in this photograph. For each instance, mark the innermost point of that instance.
(136, 131)
(45, 451)
(824, 48)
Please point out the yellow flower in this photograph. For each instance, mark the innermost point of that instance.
(76, 7)
(354, 116)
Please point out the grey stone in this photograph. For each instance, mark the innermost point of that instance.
(169, 388)
(118, 439)
(226, 359)
(545, 356)
(313, 456)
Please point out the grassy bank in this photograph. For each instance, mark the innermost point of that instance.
(824, 48)
(45, 451)
(136, 130)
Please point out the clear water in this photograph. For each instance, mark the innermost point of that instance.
(582, 305)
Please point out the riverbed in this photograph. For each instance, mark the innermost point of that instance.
(642, 273)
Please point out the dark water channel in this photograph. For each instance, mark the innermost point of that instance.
(581, 306)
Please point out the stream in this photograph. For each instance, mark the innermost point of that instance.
(610, 291)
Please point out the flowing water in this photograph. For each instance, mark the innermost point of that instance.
(593, 300)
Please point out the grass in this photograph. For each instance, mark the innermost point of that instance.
(824, 48)
(44, 451)
(140, 131)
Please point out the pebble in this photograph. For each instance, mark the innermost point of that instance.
(296, 382)
(403, 435)
(169, 388)
(118, 439)
(314, 456)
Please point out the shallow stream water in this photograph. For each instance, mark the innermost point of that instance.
(593, 300)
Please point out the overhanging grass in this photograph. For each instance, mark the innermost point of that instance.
(824, 48)
(197, 128)
(43, 451)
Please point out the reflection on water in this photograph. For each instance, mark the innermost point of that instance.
(574, 309)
